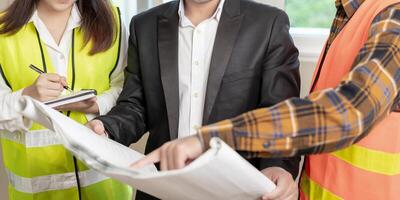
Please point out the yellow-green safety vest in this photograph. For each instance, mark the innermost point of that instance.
(38, 166)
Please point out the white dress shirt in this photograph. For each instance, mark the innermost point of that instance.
(195, 50)
(59, 54)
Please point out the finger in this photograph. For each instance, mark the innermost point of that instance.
(169, 157)
(269, 174)
(286, 193)
(293, 189)
(71, 106)
(179, 158)
(89, 102)
(164, 158)
(49, 94)
(151, 158)
(275, 194)
(53, 77)
(64, 81)
(60, 108)
(99, 129)
(53, 86)
(294, 196)
(192, 147)
(96, 126)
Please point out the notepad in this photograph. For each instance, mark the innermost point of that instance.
(72, 97)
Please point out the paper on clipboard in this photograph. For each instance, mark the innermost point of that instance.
(72, 97)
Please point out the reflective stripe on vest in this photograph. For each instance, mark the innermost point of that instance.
(309, 187)
(32, 139)
(54, 182)
(371, 160)
(369, 169)
(36, 161)
(347, 181)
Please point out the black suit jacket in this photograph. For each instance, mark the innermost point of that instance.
(254, 64)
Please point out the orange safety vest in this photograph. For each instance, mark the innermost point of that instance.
(369, 169)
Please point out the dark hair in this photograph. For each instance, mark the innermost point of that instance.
(98, 21)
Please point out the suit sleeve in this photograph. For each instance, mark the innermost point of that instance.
(281, 79)
(125, 123)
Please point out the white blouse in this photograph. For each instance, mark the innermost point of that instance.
(59, 54)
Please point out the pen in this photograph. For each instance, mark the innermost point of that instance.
(34, 68)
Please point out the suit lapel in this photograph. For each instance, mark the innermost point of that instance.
(168, 57)
(227, 33)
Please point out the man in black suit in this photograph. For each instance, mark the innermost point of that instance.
(196, 62)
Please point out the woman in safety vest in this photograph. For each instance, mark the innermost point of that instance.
(78, 45)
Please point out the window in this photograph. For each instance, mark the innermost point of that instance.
(132, 7)
(310, 13)
(310, 21)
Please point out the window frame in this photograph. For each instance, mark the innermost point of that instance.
(309, 41)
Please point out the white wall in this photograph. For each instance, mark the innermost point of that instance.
(310, 43)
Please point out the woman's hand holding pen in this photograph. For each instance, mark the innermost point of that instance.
(46, 87)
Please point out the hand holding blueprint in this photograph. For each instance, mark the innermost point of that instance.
(220, 173)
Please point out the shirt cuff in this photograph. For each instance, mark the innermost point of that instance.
(20, 121)
(90, 117)
(104, 103)
(223, 130)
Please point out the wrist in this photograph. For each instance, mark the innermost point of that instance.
(31, 92)
(27, 91)
(201, 140)
(94, 109)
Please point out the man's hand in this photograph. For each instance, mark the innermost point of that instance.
(46, 87)
(88, 106)
(173, 155)
(286, 187)
(97, 127)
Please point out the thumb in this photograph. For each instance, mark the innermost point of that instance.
(96, 126)
(281, 181)
(99, 129)
(151, 158)
(64, 81)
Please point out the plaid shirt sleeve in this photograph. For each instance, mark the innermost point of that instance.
(327, 120)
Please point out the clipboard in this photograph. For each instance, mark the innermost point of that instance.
(71, 97)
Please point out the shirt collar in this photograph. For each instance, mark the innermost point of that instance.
(186, 22)
(349, 6)
(73, 22)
